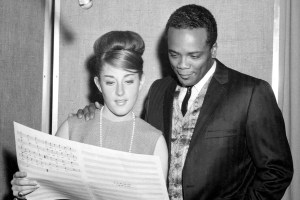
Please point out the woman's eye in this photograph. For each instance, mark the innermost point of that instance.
(129, 81)
(173, 55)
(109, 82)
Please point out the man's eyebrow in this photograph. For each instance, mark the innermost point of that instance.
(193, 52)
(196, 52)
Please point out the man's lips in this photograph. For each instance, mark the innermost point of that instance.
(185, 75)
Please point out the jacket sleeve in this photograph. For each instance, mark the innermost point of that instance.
(268, 146)
(145, 115)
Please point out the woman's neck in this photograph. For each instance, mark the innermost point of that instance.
(116, 118)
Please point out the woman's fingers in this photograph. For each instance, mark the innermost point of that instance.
(25, 190)
(23, 182)
(21, 186)
(20, 175)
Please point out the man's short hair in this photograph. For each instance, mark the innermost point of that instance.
(194, 16)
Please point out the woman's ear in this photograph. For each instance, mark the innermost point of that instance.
(97, 83)
(142, 81)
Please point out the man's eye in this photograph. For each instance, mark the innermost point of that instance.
(195, 56)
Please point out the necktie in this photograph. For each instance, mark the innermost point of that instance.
(186, 100)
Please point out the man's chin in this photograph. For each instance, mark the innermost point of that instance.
(185, 82)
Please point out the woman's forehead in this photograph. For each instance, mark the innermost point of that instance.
(110, 70)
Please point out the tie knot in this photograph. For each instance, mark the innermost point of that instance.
(189, 89)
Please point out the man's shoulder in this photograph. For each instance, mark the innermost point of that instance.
(237, 76)
(162, 84)
(165, 80)
(240, 80)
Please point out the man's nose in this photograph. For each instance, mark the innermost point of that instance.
(183, 63)
(120, 89)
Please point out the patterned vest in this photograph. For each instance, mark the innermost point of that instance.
(182, 131)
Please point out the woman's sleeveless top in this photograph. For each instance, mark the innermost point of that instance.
(115, 135)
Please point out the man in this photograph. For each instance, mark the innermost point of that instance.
(225, 132)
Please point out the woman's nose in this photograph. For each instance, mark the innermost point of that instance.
(120, 89)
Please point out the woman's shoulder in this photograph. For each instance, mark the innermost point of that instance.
(146, 127)
(146, 136)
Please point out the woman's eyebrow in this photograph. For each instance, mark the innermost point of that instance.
(109, 76)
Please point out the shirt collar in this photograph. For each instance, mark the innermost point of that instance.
(205, 78)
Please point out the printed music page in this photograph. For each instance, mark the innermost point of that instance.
(67, 169)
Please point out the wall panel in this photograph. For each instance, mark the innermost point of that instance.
(21, 74)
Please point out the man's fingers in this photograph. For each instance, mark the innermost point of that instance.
(98, 105)
(80, 113)
(92, 109)
(88, 111)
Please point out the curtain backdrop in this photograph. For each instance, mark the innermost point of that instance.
(289, 85)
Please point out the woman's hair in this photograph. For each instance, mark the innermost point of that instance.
(194, 16)
(120, 49)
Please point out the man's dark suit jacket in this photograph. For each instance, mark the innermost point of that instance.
(239, 148)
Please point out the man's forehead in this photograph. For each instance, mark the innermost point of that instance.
(188, 35)
(191, 40)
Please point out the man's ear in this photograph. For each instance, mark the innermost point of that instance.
(142, 81)
(97, 83)
(214, 50)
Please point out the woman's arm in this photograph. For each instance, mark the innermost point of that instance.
(161, 150)
(63, 130)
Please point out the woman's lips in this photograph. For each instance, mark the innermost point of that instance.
(120, 102)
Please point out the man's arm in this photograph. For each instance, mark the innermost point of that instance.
(268, 146)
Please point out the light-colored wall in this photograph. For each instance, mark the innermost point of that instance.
(21, 76)
(245, 44)
(245, 40)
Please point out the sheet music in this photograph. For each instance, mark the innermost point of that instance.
(67, 169)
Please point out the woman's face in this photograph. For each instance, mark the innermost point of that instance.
(120, 90)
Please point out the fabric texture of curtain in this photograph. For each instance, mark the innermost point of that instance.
(289, 84)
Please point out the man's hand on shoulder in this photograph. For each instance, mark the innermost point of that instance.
(88, 112)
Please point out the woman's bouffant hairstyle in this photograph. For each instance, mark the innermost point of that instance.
(194, 16)
(120, 49)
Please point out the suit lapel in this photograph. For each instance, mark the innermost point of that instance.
(167, 111)
(214, 95)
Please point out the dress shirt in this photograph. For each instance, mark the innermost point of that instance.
(196, 88)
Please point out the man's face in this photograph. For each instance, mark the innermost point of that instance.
(189, 54)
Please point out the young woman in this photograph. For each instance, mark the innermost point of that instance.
(119, 78)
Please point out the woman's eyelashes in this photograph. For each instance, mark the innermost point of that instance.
(109, 82)
(128, 82)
